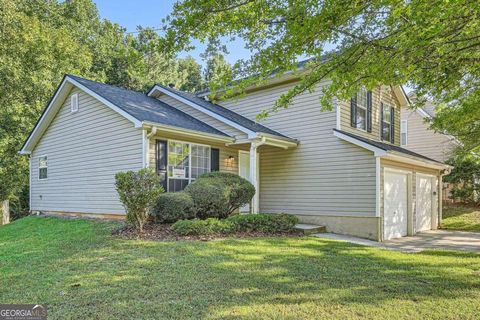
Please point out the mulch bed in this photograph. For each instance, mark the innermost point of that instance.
(164, 232)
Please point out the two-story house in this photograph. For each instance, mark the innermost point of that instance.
(343, 169)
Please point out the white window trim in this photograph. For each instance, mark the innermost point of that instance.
(38, 171)
(72, 109)
(404, 130)
(190, 144)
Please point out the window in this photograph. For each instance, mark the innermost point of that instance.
(74, 103)
(361, 110)
(186, 162)
(403, 132)
(387, 123)
(42, 168)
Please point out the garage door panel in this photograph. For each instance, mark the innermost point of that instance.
(395, 204)
(424, 203)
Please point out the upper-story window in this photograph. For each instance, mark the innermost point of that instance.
(403, 132)
(361, 110)
(387, 127)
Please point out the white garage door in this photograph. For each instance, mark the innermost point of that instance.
(424, 204)
(395, 205)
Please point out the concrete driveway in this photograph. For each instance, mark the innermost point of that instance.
(434, 239)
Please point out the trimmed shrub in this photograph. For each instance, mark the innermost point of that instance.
(268, 223)
(139, 192)
(202, 227)
(219, 194)
(210, 199)
(173, 206)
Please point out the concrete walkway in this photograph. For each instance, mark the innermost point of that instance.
(435, 239)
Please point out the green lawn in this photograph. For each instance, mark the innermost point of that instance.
(80, 272)
(461, 218)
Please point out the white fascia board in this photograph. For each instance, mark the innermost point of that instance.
(250, 133)
(55, 104)
(402, 97)
(416, 161)
(377, 151)
(135, 121)
(192, 133)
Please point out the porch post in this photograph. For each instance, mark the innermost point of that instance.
(253, 177)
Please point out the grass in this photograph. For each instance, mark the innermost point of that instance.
(461, 218)
(80, 271)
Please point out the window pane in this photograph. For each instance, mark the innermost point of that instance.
(404, 138)
(178, 160)
(385, 131)
(362, 99)
(42, 162)
(42, 173)
(200, 160)
(361, 118)
(386, 113)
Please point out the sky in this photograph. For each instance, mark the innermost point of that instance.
(149, 13)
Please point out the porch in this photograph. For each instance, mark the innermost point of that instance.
(179, 156)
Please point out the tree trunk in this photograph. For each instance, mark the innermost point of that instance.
(5, 212)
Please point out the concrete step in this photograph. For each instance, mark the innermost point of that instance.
(308, 229)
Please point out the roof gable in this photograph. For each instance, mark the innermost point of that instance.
(134, 106)
(251, 128)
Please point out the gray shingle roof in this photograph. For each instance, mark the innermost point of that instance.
(226, 113)
(145, 108)
(387, 146)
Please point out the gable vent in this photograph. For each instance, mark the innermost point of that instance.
(74, 103)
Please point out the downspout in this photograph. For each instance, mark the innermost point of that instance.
(146, 146)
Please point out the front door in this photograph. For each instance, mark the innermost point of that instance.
(395, 205)
(244, 172)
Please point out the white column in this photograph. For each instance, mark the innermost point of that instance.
(253, 177)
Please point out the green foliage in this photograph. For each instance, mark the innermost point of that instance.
(219, 194)
(210, 198)
(139, 192)
(268, 223)
(197, 227)
(173, 206)
(466, 177)
(431, 45)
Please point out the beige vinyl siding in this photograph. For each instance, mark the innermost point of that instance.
(323, 175)
(379, 94)
(424, 141)
(217, 124)
(84, 149)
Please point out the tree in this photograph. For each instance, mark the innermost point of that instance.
(192, 72)
(217, 70)
(433, 45)
(465, 176)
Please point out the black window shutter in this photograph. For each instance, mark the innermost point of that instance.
(353, 111)
(381, 120)
(161, 163)
(392, 125)
(214, 159)
(369, 111)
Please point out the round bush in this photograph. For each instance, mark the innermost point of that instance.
(219, 194)
(210, 199)
(173, 206)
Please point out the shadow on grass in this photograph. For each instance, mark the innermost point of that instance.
(93, 275)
